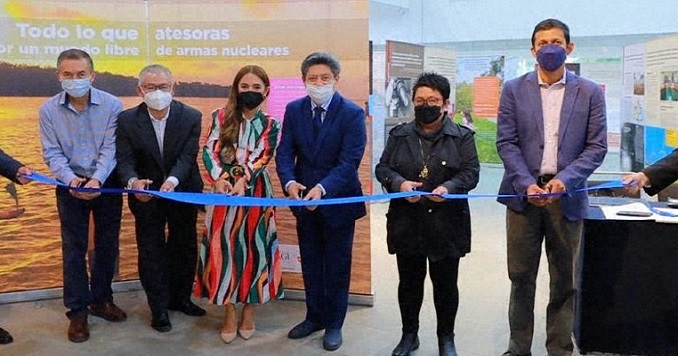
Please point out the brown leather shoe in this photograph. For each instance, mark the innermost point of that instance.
(78, 331)
(108, 311)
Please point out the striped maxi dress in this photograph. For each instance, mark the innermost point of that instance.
(239, 258)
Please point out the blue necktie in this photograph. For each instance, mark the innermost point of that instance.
(317, 119)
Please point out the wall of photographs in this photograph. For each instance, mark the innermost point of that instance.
(649, 110)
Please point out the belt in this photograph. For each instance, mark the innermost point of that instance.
(543, 179)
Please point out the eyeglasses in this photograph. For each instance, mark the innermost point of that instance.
(430, 101)
(323, 79)
(153, 87)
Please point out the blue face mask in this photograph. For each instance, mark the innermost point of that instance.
(551, 57)
(76, 88)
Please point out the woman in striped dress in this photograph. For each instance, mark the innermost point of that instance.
(239, 257)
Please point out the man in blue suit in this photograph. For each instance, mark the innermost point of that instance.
(14, 171)
(323, 141)
(551, 135)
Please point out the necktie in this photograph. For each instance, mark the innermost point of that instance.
(317, 119)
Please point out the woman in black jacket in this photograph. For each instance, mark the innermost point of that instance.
(429, 154)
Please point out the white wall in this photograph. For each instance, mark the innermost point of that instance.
(426, 21)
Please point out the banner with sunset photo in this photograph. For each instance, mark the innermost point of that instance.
(204, 43)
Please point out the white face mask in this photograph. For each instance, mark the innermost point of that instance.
(158, 99)
(320, 94)
(76, 88)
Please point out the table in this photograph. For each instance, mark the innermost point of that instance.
(627, 295)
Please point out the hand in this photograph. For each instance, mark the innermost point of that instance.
(92, 183)
(633, 182)
(294, 190)
(437, 194)
(556, 186)
(142, 184)
(239, 187)
(77, 182)
(314, 194)
(408, 186)
(223, 186)
(167, 187)
(534, 200)
(23, 171)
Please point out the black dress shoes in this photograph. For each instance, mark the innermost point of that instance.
(303, 329)
(5, 337)
(187, 307)
(332, 339)
(161, 322)
(446, 346)
(408, 343)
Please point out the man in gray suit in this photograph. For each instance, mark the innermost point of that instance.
(551, 135)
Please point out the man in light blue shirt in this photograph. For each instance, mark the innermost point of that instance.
(77, 129)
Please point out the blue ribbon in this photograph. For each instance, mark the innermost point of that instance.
(224, 199)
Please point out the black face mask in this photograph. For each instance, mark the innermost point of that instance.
(250, 99)
(425, 114)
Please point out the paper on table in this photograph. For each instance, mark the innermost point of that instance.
(610, 211)
(666, 216)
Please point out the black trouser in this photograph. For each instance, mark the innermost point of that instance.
(166, 262)
(80, 288)
(412, 273)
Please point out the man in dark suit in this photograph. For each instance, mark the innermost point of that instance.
(551, 135)
(323, 141)
(654, 178)
(157, 146)
(14, 171)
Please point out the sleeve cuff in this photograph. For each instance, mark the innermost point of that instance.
(174, 180)
(68, 178)
(449, 186)
(131, 181)
(395, 185)
(287, 185)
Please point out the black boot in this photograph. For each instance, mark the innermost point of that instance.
(446, 345)
(408, 343)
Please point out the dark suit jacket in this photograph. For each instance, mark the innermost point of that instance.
(138, 154)
(662, 173)
(331, 159)
(582, 140)
(9, 166)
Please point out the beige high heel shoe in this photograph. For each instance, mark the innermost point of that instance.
(247, 327)
(228, 330)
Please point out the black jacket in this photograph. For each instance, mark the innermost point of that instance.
(662, 173)
(9, 166)
(138, 154)
(427, 228)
